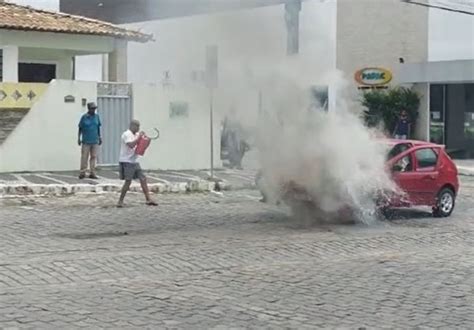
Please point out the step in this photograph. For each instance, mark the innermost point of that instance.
(9, 120)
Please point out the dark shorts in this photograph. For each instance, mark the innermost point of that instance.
(130, 171)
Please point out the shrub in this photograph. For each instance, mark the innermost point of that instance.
(384, 106)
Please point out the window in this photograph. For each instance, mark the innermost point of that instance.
(320, 97)
(469, 113)
(437, 103)
(426, 158)
(403, 165)
(36, 72)
(397, 150)
(437, 113)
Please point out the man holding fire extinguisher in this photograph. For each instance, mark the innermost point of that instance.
(129, 166)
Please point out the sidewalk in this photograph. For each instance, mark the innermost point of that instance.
(465, 167)
(67, 183)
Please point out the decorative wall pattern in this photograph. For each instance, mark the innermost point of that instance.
(21, 95)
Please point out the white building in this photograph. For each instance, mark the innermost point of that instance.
(41, 103)
(39, 113)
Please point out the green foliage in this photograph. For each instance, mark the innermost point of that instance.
(383, 107)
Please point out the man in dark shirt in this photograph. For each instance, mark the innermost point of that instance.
(402, 129)
(90, 140)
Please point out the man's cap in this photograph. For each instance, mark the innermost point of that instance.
(91, 105)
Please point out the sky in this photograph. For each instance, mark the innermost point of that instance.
(451, 34)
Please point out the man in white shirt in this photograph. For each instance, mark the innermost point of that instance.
(128, 163)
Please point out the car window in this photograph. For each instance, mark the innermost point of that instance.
(403, 165)
(426, 158)
(397, 150)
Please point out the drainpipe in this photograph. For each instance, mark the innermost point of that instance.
(73, 68)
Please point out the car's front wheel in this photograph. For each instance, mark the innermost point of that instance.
(445, 203)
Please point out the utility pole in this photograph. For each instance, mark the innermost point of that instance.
(211, 82)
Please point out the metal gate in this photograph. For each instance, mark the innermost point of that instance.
(114, 103)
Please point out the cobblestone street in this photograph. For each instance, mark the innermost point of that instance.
(205, 261)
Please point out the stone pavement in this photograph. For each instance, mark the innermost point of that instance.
(203, 261)
(66, 183)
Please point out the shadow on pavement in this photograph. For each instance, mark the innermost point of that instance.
(408, 214)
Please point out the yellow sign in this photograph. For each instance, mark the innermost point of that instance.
(20, 95)
(373, 76)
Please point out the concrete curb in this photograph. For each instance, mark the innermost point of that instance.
(225, 186)
(200, 186)
(465, 171)
(72, 189)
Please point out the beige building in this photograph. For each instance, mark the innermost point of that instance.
(379, 33)
(382, 34)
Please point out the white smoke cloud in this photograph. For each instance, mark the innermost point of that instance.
(337, 161)
(331, 155)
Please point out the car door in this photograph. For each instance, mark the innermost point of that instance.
(404, 175)
(427, 174)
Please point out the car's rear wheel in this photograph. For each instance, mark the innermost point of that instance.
(445, 203)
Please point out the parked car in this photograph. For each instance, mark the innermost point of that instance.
(423, 171)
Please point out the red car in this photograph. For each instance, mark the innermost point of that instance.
(426, 173)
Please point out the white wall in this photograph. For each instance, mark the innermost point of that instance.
(57, 48)
(39, 4)
(460, 71)
(10, 55)
(89, 68)
(451, 36)
(62, 41)
(64, 68)
(62, 59)
(184, 142)
(423, 124)
(46, 139)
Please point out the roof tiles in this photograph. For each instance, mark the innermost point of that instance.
(16, 17)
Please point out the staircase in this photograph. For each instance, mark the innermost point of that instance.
(9, 120)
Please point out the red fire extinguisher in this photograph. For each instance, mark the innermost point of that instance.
(144, 142)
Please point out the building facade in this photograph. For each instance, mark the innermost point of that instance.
(388, 35)
(347, 35)
(449, 99)
(40, 102)
(382, 34)
(379, 34)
